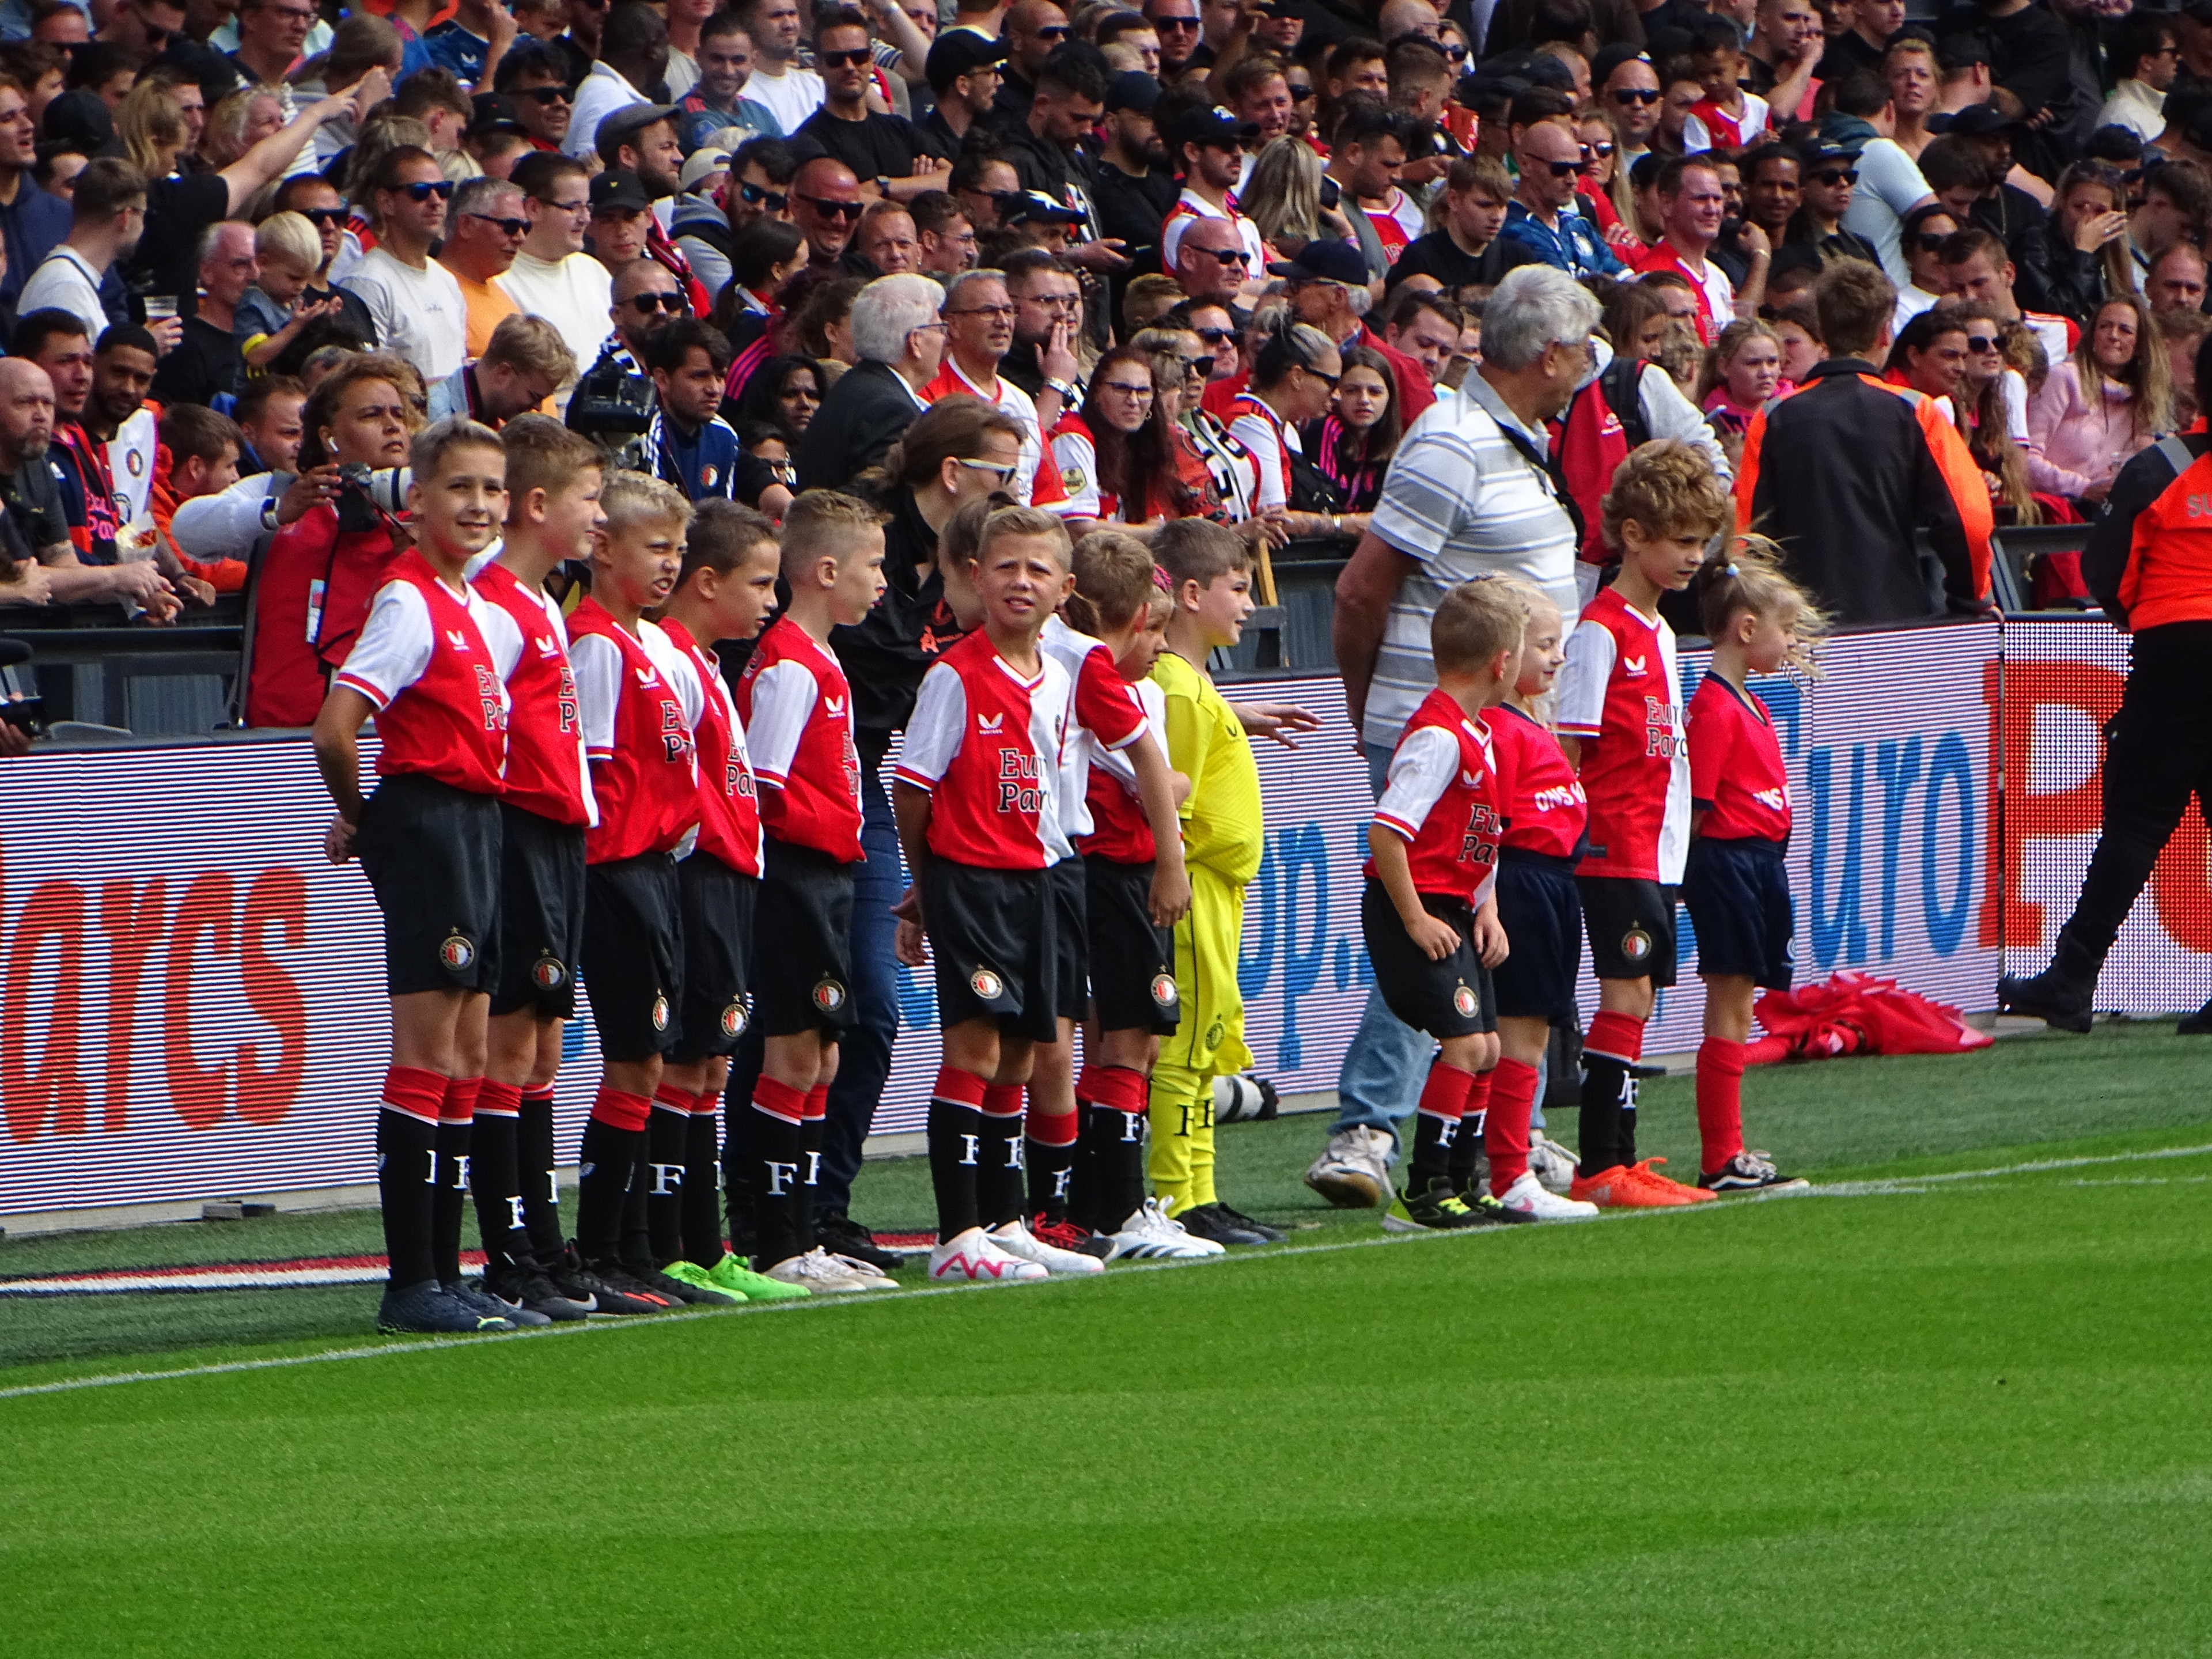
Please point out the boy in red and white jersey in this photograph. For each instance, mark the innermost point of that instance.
(640, 702)
(1621, 725)
(1736, 886)
(798, 713)
(725, 591)
(976, 793)
(552, 507)
(426, 666)
(1429, 912)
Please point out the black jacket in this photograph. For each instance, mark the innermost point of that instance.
(858, 422)
(885, 654)
(2052, 275)
(2146, 475)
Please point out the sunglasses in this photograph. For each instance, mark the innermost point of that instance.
(1980, 343)
(647, 303)
(1235, 255)
(852, 59)
(1300, 91)
(512, 226)
(1215, 337)
(1053, 32)
(442, 189)
(1457, 53)
(322, 216)
(572, 209)
(1126, 390)
(753, 195)
(1602, 151)
(1201, 366)
(1004, 474)
(1834, 177)
(1625, 96)
(542, 94)
(1927, 242)
(1175, 25)
(1567, 169)
(824, 205)
(1329, 380)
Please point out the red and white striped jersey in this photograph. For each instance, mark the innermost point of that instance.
(1545, 810)
(985, 741)
(1107, 716)
(1617, 693)
(425, 658)
(547, 772)
(639, 702)
(1737, 774)
(1441, 799)
(1120, 832)
(729, 801)
(798, 713)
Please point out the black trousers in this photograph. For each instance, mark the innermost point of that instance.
(2158, 750)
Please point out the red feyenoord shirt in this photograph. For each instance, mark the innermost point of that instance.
(1715, 293)
(1442, 798)
(547, 772)
(729, 803)
(640, 703)
(1737, 770)
(424, 657)
(985, 743)
(1617, 693)
(1545, 809)
(1120, 833)
(798, 714)
(1107, 717)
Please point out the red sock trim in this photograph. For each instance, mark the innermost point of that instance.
(669, 1097)
(1444, 1094)
(1615, 1036)
(1089, 1084)
(1058, 1130)
(1002, 1099)
(458, 1105)
(706, 1103)
(415, 1092)
(621, 1110)
(1505, 1130)
(1720, 1102)
(779, 1099)
(817, 1103)
(499, 1099)
(959, 1087)
(545, 1095)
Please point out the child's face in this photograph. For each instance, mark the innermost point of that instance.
(1770, 640)
(573, 514)
(1716, 74)
(1021, 581)
(1542, 651)
(283, 280)
(1151, 639)
(860, 581)
(1667, 563)
(1799, 351)
(961, 597)
(1753, 371)
(458, 509)
(1220, 609)
(637, 564)
(743, 598)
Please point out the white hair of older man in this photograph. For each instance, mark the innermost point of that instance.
(1534, 308)
(888, 310)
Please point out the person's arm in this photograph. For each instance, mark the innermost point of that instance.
(503, 32)
(26, 583)
(929, 174)
(911, 807)
(1171, 895)
(337, 758)
(1954, 504)
(270, 346)
(1368, 582)
(1752, 294)
(1668, 414)
(2112, 538)
(267, 159)
(1437, 939)
(70, 581)
(895, 28)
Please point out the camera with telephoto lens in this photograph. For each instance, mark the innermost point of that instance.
(616, 408)
(367, 494)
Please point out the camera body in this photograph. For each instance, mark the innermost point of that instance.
(615, 407)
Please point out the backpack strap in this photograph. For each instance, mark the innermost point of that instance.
(1621, 384)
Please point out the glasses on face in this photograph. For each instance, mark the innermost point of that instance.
(1215, 337)
(323, 218)
(1004, 313)
(647, 304)
(1625, 96)
(542, 94)
(852, 59)
(754, 196)
(440, 188)
(1230, 256)
(1300, 91)
(1981, 344)
(828, 208)
(1837, 176)
(1455, 52)
(511, 227)
(1927, 242)
(1005, 475)
(1068, 302)
(292, 13)
(1140, 392)
(1176, 25)
(1329, 380)
(1601, 151)
(1567, 169)
(572, 209)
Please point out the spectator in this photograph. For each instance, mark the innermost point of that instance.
(885, 150)
(1726, 118)
(979, 181)
(825, 203)
(632, 58)
(1283, 198)
(789, 92)
(2015, 198)
(226, 525)
(1034, 30)
(784, 393)
(901, 341)
(1116, 456)
(716, 101)
(979, 317)
(1976, 268)
(36, 523)
(1859, 47)
(1929, 353)
(2181, 332)
(1470, 493)
(1844, 473)
(269, 420)
(107, 214)
(1366, 158)
(1829, 175)
(2030, 58)
(760, 171)
(1890, 184)
(523, 364)
(2109, 401)
(420, 313)
(1425, 327)
(639, 141)
(488, 224)
(273, 312)
(1353, 444)
(2176, 207)
(2176, 279)
(1926, 229)
(947, 239)
(1131, 181)
(2077, 253)
(644, 298)
(1909, 66)
(551, 276)
(2142, 57)
(1772, 191)
(1206, 143)
(622, 220)
(1328, 290)
(1294, 374)
(1744, 375)
(533, 76)
(1048, 310)
(1542, 217)
(1466, 249)
(884, 244)
(1957, 174)
(1690, 204)
(700, 222)
(315, 199)
(689, 445)
(206, 365)
(32, 222)
(686, 19)
(469, 44)
(1628, 91)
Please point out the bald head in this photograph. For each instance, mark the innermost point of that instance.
(1204, 277)
(27, 411)
(1034, 28)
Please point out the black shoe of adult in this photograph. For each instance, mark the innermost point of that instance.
(839, 1234)
(526, 1286)
(2063, 1004)
(1208, 1221)
(1237, 1217)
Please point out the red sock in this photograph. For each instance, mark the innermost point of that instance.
(675, 1099)
(1720, 1102)
(779, 1099)
(1444, 1094)
(1616, 1036)
(545, 1094)
(458, 1105)
(621, 1110)
(1506, 1131)
(817, 1101)
(1475, 1110)
(961, 1088)
(1002, 1099)
(414, 1093)
(499, 1099)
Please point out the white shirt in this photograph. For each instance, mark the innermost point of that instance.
(130, 455)
(1017, 403)
(66, 281)
(420, 315)
(604, 91)
(790, 97)
(574, 295)
(2138, 107)
(395, 643)
(1911, 301)
(1190, 206)
(1889, 187)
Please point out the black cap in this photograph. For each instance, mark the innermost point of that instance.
(81, 117)
(630, 118)
(1133, 89)
(1975, 121)
(1820, 154)
(1611, 57)
(495, 111)
(1034, 206)
(1211, 124)
(1324, 260)
(618, 190)
(960, 52)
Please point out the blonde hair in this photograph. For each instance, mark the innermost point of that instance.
(149, 120)
(1669, 488)
(632, 498)
(544, 454)
(1028, 521)
(290, 236)
(430, 446)
(1476, 621)
(1733, 340)
(824, 524)
(1746, 575)
(531, 344)
(1112, 579)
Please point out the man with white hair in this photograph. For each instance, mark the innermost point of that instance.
(900, 340)
(1328, 289)
(1468, 494)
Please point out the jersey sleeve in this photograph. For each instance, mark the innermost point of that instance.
(599, 664)
(1709, 747)
(393, 647)
(1580, 710)
(784, 696)
(1420, 772)
(1077, 461)
(1106, 705)
(935, 728)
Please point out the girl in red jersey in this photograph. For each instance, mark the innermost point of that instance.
(1736, 887)
(431, 663)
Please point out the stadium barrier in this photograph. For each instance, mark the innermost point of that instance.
(194, 999)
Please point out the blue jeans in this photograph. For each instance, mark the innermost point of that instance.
(1380, 1081)
(864, 1057)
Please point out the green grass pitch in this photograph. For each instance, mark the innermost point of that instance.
(1924, 1411)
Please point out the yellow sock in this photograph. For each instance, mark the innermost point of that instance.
(1201, 1145)
(1167, 1158)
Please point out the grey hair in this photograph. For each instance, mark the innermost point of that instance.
(953, 288)
(1533, 308)
(1359, 297)
(888, 310)
(211, 238)
(479, 193)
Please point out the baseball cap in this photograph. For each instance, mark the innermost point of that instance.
(960, 52)
(1819, 154)
(1034, 206)
(1211, 124)
(1975, 121)
(617, 191)
(630, 118)
(1133, 89)
(1324, 260)
(702, 162)
(494, 112)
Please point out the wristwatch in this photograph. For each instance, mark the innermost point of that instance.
(1069, 394)
(884, 183)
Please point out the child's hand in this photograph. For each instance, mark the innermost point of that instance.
(1171, 901)
(908, 946)
(1276, 720)
(1489, 941)
(1437, 939)
(908, 908)
(338, 841)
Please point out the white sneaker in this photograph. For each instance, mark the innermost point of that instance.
(825, 1275)
(1354, 1173)
(1151, 1234)
(876, 1278)
(1529, 1197)
(972, 1255)
(1550, 1163)
(1016, 1239)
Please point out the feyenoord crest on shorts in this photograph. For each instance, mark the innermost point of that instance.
(829, 995)
(548, 974)
(1465, 1000)
(659, 1012)
(987, 985)
(457, 952)
(1636, 945)
(1163, 990)
(734, 1019)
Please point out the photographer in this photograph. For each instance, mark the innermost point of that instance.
(613, 402)
(313, 590)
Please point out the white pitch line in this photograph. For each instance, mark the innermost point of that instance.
(1900, 1186)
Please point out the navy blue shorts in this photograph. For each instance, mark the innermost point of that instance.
(1543, 914)
(1738, 892)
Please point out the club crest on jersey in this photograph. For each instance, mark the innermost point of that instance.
(1464, 1002)
(457, 952)
(708, 476)
(135, 463)
(733, 1019)
(1071, 480)
(829, 995)
(987, 985)
(1635, 945)
(1163, 990)
(659, 1012)
(548, 973)
(1214, 1033)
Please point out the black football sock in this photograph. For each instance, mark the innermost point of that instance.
(1114, 1144)
(1049, 1149)
(603, 1183)
(1437, 1124)
(956, 1139)
(702, 1214)
(494, 1179)
(635, 1250)
(998, 1165)
(540, 1184)
(451, 1198)
(811, 1130)
(406, 1168)
(668, 1138)
(775, 1161)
